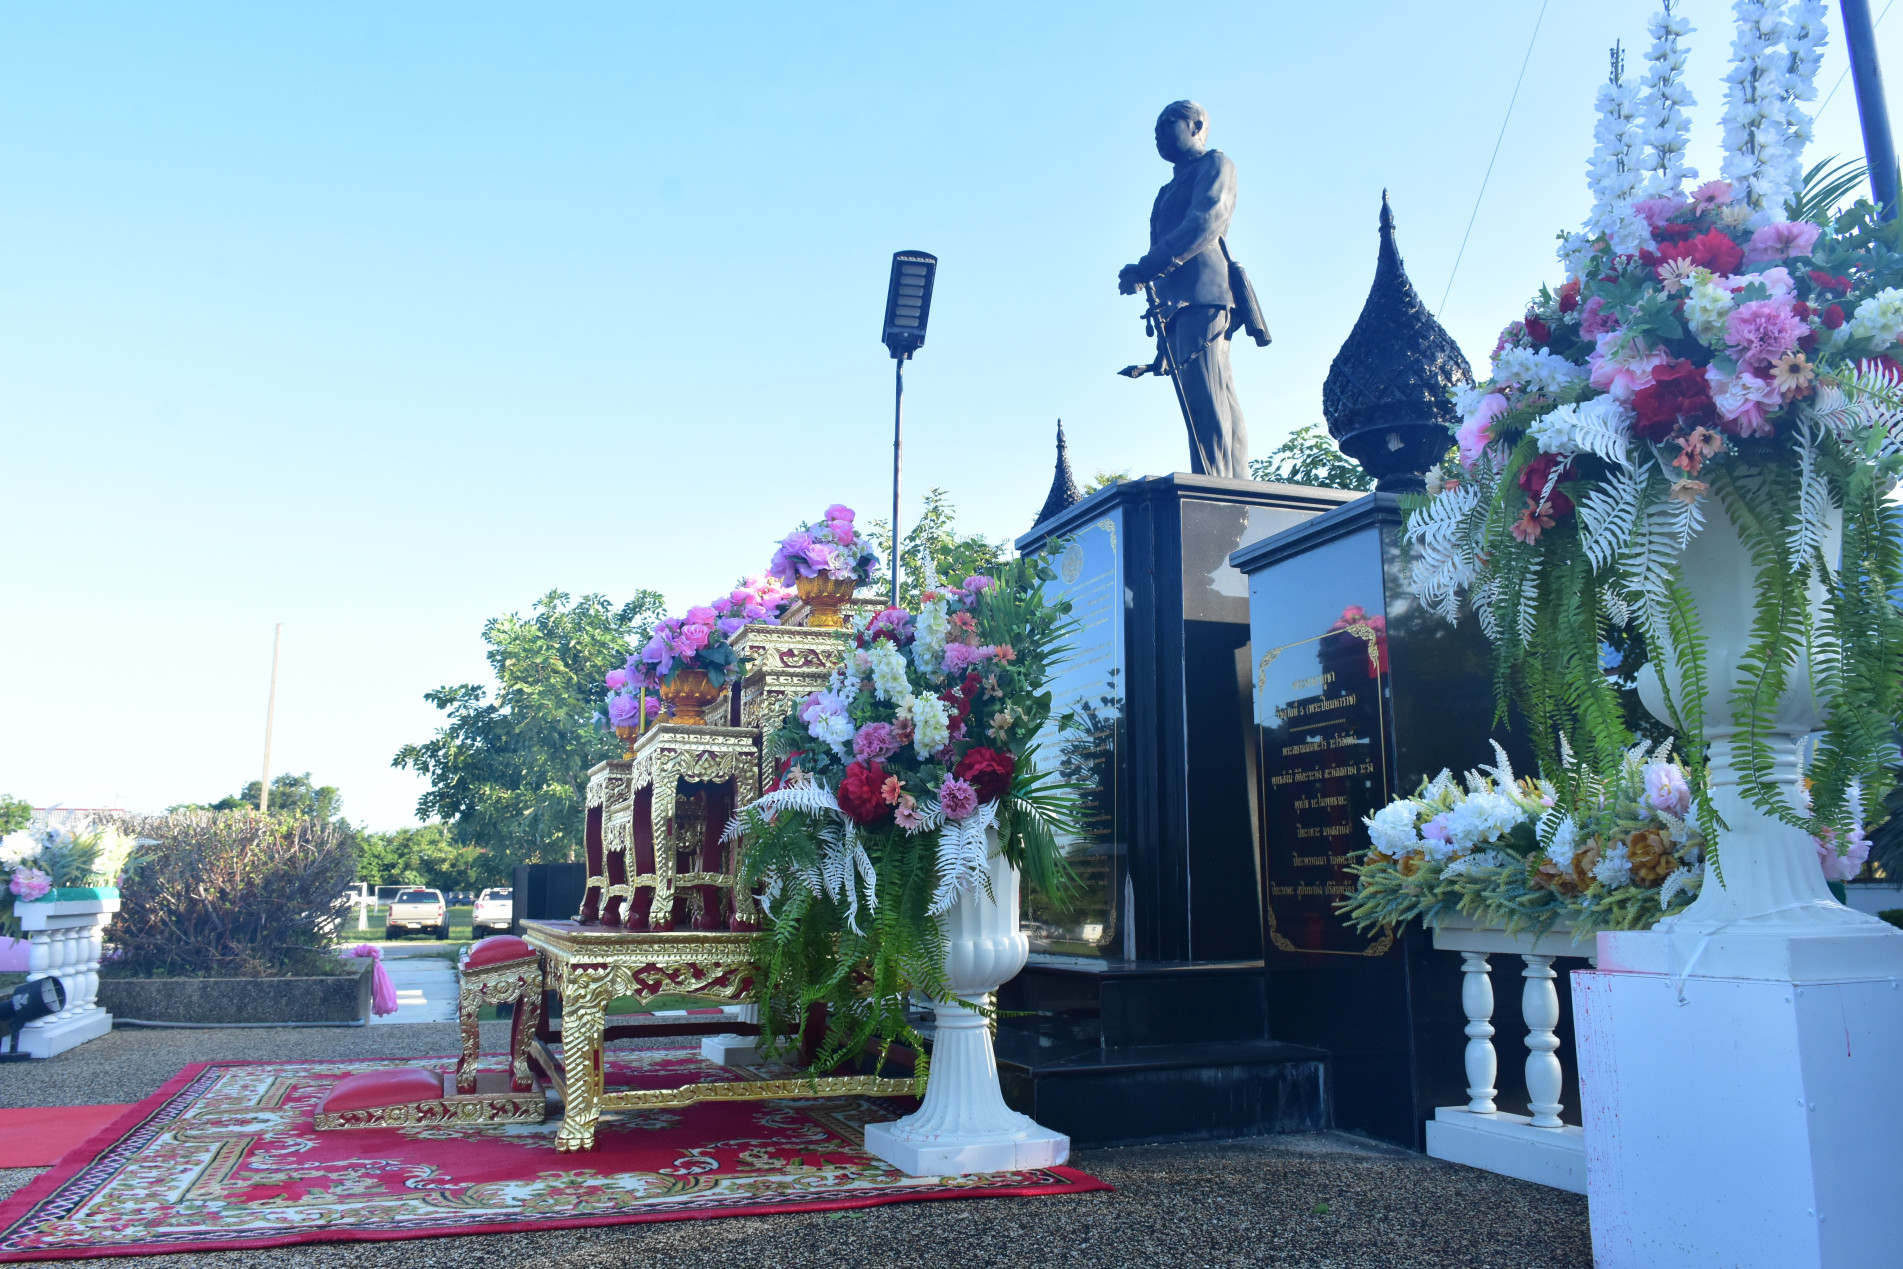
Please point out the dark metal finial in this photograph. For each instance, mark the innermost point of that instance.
(1387, 396)
(1064, 493)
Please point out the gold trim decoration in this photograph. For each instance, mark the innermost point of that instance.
(453, 1112)
(517, 982)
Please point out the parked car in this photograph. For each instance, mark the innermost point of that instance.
(495, 909)
(417, 910)
(386, 894)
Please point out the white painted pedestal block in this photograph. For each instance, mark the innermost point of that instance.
(1755, 1124)
(66, 939)
(964, 1125)
(728, 1049)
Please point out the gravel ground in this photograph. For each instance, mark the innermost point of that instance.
(1329, 1201)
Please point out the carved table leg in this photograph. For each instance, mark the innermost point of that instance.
(522, 1029)
(585, 994)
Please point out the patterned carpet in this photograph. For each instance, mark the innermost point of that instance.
(224, 1156)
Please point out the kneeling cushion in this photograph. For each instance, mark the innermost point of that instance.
(493, 951)
(384, 1088)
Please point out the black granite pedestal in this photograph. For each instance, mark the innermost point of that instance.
(1359, 694)
(1144, 1013)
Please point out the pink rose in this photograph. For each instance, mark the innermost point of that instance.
(1740, 400)
(694, 637)
(839, 511)
(841, 531)
(1626, 368)
(615, 680)
(31, 883)
(701, 616)
(1665, 788)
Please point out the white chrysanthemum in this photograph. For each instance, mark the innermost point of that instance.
(1482, 817)
(931, 726)
(1468, 396)
(1613, 869)
(887, 664)
(1536, 369)
(1565, 844)
(929, 632)
(1879, 319)
(1707, 305)
(17, 849)
(1391, 829)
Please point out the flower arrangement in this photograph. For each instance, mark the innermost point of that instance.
(828, 547)
(1511, 852)
(1734, 346)
(892, 780)
(701, 640)
(43, 858)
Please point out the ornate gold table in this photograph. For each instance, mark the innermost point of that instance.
(588, 966)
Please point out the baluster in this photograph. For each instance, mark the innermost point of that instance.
(1539, 1005)
(1476, 997)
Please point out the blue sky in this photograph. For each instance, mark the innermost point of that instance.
(382, 320)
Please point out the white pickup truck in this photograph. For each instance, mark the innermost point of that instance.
(494, 910)
(417, 910)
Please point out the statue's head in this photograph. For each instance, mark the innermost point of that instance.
(1182, 131)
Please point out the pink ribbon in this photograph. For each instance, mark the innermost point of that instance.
(382, 990)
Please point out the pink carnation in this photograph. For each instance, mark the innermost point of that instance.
(875, 742)
(1847, 865)
(1758, 332)
(961, 656)
(1658, 211)
(957, 798)
(1474, 435)
(31, 883)
(1594, 321)
(1626, 370)
(1781, 240)
(1741, 399)
(978, 582)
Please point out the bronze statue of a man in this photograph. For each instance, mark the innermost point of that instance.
(1188, 263)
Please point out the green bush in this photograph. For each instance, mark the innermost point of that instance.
(231, 894)
(1893, 915)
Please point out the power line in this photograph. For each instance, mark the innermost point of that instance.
(1496, 154)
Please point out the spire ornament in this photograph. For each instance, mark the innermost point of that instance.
(1064, 492)
(1386, 397)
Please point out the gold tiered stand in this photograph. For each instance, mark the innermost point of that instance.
(665, 913)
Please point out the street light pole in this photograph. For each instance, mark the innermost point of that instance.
(898, 462)
(1879, 150)
(270, 716)
(908, 307)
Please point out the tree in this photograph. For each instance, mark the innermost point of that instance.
(292, 796)
(1309, 457)
(933, 535)
(426, 855)
(1104, 479)
(507, 776)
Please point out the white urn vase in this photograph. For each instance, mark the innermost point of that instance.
(964, 1125)
(1772, 915)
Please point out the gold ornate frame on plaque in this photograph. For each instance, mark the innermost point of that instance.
(784, 664)
(588, 967)
(1364, 631)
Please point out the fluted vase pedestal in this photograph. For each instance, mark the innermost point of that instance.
(964, 1125)
(1777, 1139)
(66, 940)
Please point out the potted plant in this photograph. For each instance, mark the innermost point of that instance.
(909, 803)
(825, 561)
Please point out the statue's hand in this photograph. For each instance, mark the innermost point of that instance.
(1129, 278)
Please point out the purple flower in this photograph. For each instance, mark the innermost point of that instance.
(616, 680)
(623, 711)
(1781, 239)
(875, 742)
(731, 626)
(820, 556)
(957, 798)
(839, 511)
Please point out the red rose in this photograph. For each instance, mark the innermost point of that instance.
(1569, 296)
(1540, 332)
(1533, 478)
(860, 795)
(1834, 316)
(987, 771)
(1679, 391)
(1712, 249)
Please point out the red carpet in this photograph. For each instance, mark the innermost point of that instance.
(224, 1156)
(39, 1136)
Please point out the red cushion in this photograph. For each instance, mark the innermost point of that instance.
(384, 1088)
(493, 951)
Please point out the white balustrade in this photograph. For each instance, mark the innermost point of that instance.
(1538, 1147)
(66, 940)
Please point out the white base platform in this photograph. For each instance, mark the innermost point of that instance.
(1750, 1123)
(1510, 1145)
(1038, 1147)
(55, 1035)
(728, 1049)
